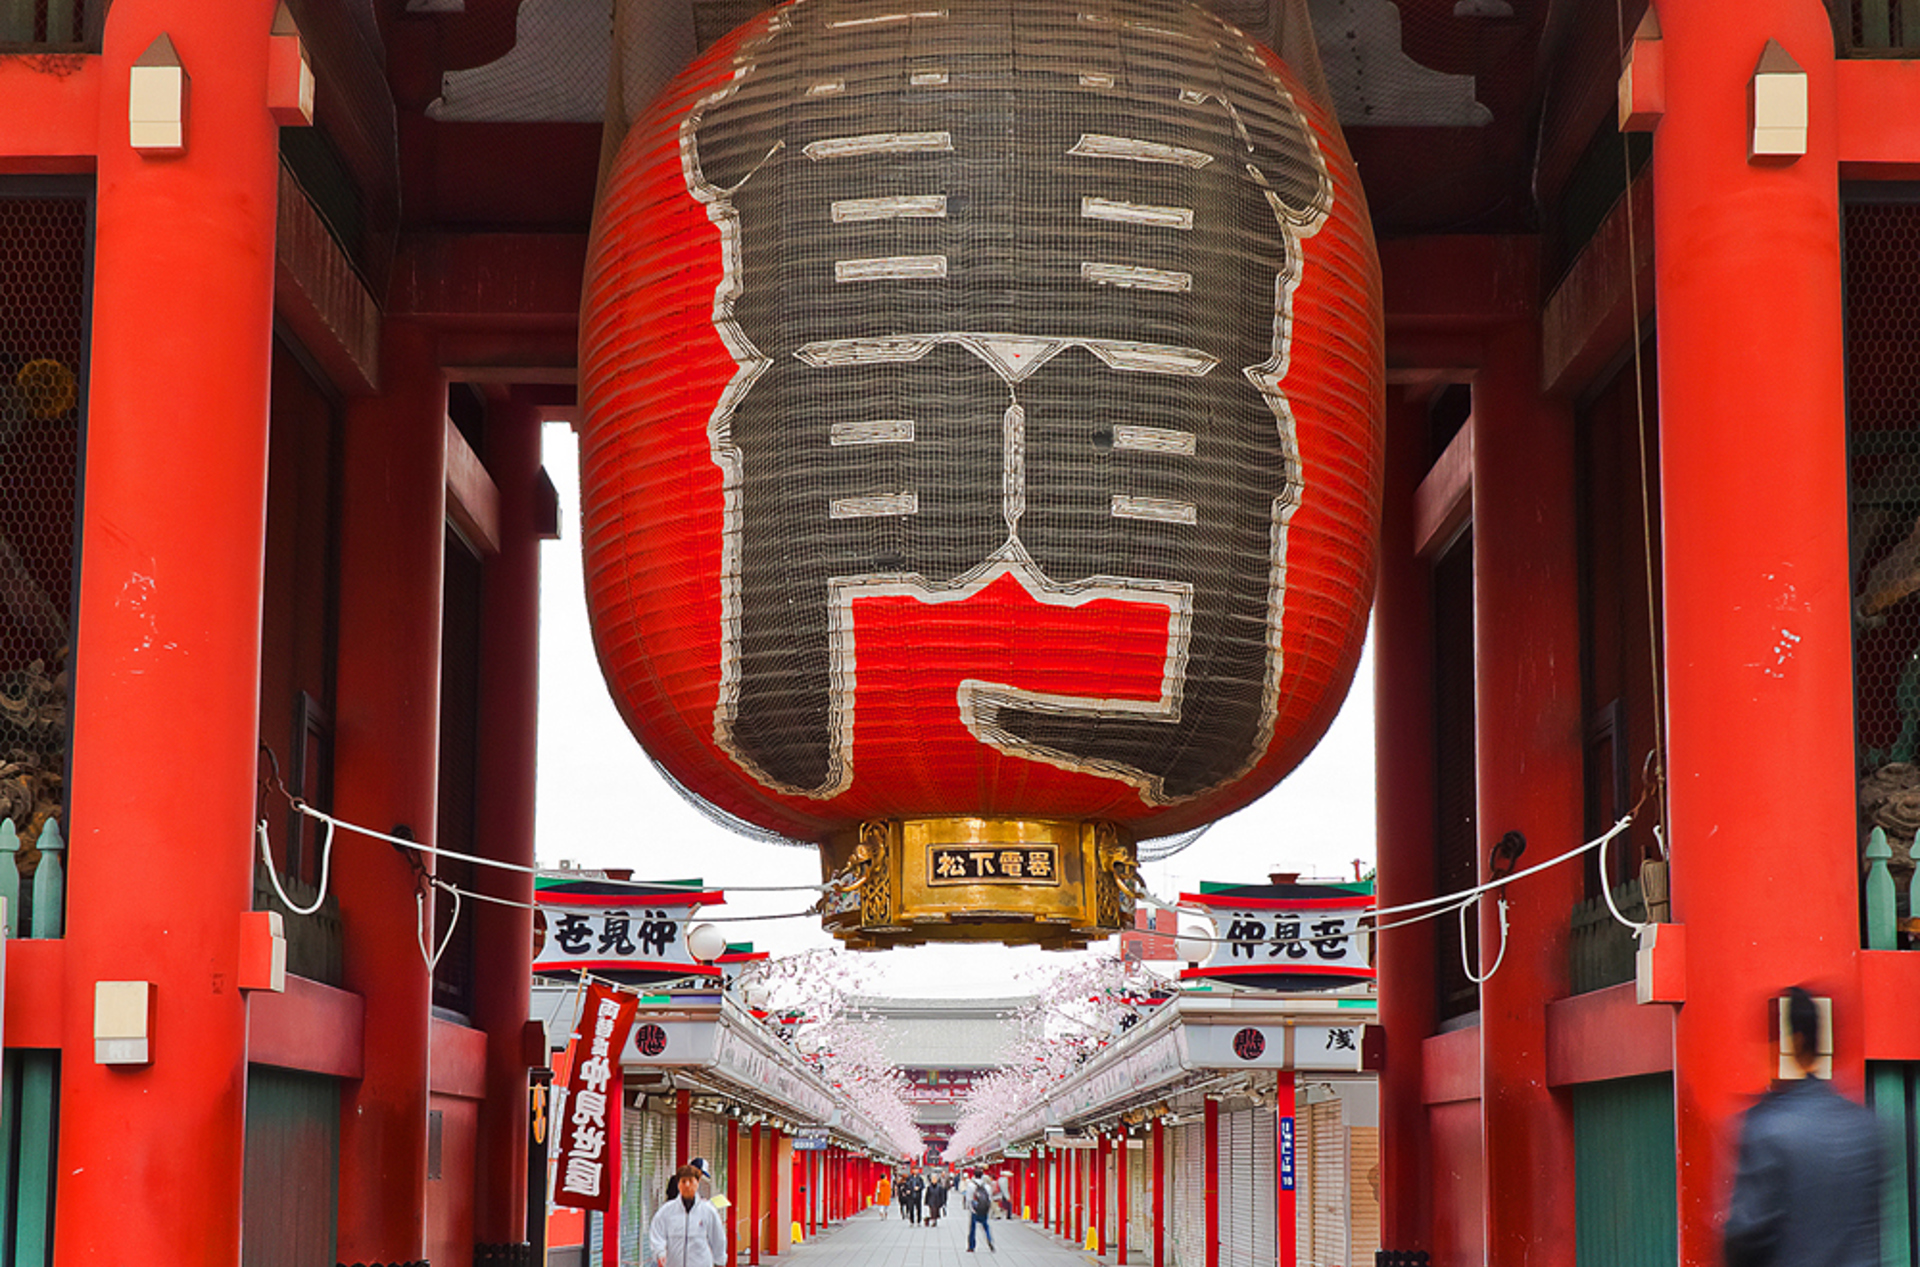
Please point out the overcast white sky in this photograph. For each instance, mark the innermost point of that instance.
(602, 805)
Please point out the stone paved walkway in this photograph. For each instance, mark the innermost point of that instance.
(867, 1240)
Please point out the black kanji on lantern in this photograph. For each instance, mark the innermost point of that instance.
(1010, 291)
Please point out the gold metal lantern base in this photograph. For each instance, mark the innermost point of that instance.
(1056, 883)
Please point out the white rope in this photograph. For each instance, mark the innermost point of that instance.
(273, 873)
(1606, 891)
(653, 885)
(420, 923)
(1465, 965)
(1447, 901)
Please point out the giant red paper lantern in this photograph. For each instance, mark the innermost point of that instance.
(981, 418)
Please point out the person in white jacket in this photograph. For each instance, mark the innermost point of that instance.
(686, 1231)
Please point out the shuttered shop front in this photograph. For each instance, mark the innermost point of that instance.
(1247, 1178)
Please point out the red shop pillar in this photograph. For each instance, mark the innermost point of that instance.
(1120, 1183)
(172, 534)
(1757, 588)
(776, 1226)
(503, 817)
(386, 757)
(753, 1194)
(616, 1212)
(1212, 1181)
(1100, 1194)
(683, 1128)
(1530, 740)
(1404, 807)
(733, 1196)
(1286, 1216)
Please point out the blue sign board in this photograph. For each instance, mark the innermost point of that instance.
(1286, 1154)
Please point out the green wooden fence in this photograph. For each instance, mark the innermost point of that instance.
(29, 1099)
(1625, 1209)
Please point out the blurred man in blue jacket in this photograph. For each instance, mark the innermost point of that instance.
(1807, 1193)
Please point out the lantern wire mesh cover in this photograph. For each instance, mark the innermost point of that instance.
(970, 326)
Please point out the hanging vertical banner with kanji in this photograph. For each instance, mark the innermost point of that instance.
(580, 1175)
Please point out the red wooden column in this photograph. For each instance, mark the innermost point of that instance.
(753, 1195)
(682, 1128)
(503, 819)
(1100, 1198)
(1286, 1216)
(386, 774)
(1120, 1182)
(1159, 1196)
(1212, 1181)
(1404, 812)
(733, 1194)
(775, 1231)
(616, 1209)
(1530, 738)
(1758, 636)
(172, 537)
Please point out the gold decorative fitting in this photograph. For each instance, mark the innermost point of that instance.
(1056, 883)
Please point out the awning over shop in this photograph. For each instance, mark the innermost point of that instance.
(1196, 1038)
(705, 1042)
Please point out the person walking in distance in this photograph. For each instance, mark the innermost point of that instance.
(1807, 1191)
(883, 1194)
(979, 1206)
(936, 1201)
(686, 1231)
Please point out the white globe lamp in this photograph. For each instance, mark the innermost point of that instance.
(706, 942)
(1195, 942)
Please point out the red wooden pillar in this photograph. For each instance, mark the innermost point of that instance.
(1758, 635)
(733, 1194)
(776, 1232)
(1159, 1143)
(503, 818)
(1286, 1216)
(753, 1195)
(172, 533)
(1404, 809)
(616, 1209)
(683, 1128)
(1100, 1201)
(1530, 740)
(386, 758)
(1212, 1181)
(1120, 1182)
